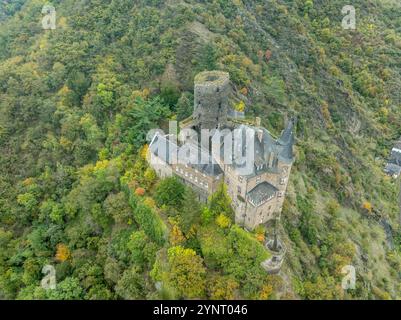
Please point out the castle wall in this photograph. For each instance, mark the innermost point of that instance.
(259, 215)
(163, 169)
(202, 183)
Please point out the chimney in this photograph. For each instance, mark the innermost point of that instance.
(260, 135)
(257, 121)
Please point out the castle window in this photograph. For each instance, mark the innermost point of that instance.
(206, 185)
(258, 179)
(240, 179)
(282, 181)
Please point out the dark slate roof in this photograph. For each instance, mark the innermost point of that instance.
(395, 156)
(167, 150)
(392, 169)
(266, 148)
(287, 141)
(287, 133)
(287, 150)
(162, 147)
(261, 193)
(205, 164)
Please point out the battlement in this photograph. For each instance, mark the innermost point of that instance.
(212, 89)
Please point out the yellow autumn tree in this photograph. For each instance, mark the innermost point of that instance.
(223, 221)
(367, 206)
(176, 235)
(144, 151)
(266, 292)
(62, 253)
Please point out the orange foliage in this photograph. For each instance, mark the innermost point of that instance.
(63, 253)
(268, 55)
(140, 191)
(260, 237)
(244, 91)
(27, 182)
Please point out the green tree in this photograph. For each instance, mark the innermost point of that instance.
(170, 192)
(186, 273)
(68, 289)
(132, 285)
(220, 202)
(184, 106)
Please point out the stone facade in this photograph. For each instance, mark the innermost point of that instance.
(211, 92)
(257, 194)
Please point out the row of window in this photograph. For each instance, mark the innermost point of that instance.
(258, 179)
(192, 177)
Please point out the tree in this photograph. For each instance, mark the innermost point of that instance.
(116, 205)
(223, 288)
(136, 245)
(150, 222)
(170, 192)
(184, 106)
(150, 177)
(322, 289)
(143, 116)
(186, 273)
(208, 59)
(68, 289)
(220, 202)
(63, 253)
(176, 236)
(132, 285)
(170, 93)
(190, 212)
(112, 270)
(222, 221)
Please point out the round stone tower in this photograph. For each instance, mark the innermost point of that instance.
(211, 99)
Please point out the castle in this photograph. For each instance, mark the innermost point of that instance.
(257, 167)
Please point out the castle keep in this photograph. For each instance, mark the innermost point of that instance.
(257, 187)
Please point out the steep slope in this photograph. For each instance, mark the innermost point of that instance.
(76, 103)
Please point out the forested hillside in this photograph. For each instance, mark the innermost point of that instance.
(75, 188)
